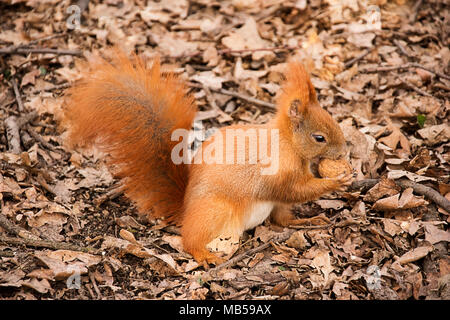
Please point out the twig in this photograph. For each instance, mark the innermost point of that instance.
(110, 195)
(94, 284)
(12, 126)
(53, 87)
(406, 66)
(50, 37)
(428, 192)
(46, 244)
(418, 188)
(363, 184)
(402, 48)
(247, 253)
(415, 9)
(23, 120)
(224, 116)
(11, 50)
(41, 140)
(439, 74)
(351, 62)
(236, 51)
(16, 230)
(416, 89)
(261, 103)
(17, 94)
(231, 51)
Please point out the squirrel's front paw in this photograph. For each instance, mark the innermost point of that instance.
(342, 181)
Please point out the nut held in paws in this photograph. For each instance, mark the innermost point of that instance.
(333, 168)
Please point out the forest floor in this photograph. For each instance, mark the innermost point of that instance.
(381, 68)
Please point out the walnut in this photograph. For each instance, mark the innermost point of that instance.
(333, 168)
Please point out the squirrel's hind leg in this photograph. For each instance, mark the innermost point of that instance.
(204, 220)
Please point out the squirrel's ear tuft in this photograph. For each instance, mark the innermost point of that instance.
(297, 112)
(297, 91)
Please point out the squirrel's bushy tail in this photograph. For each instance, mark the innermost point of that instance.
(130, 112)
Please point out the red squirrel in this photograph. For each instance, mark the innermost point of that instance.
(130, 111)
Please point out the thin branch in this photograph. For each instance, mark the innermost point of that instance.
(428, 192)
(13, 126)
(439, 74)
(112, 194)
(17, 94)
(401, 48)
(53, 87)
(351, 62)
(415, 10)
(418, 188)
(233, 261)
(16, 230)
(405, 66)
(46, 244)
(223, 116)
(258, 102)
(416, 89)
(237, 51)
(41, 140)
(11, 50)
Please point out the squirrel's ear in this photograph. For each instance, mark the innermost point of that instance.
(297, 111)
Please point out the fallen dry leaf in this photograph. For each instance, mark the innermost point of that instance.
(415, 254)
(64, 263)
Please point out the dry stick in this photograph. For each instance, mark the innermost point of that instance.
(416, 89)
(428, 192)
(406, 66)
(23, 120)
(415, 9)
(418, 188)
(110, 195)
(16, 230)
(11, 50)
(12, 126)
(212, 102)
(46, 244)
(236, 51)
(231, 51)
(402, 48)
(41, 140)
(33, 42)
(351, 62)
(50, 37)
(261, 103)
(53, 87)
(259, 248)
(17, 94)
(417, 65)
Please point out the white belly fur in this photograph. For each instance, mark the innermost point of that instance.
(257, 213)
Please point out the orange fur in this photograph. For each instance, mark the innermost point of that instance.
(131, 111)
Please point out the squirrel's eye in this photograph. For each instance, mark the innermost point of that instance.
(319, 138)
